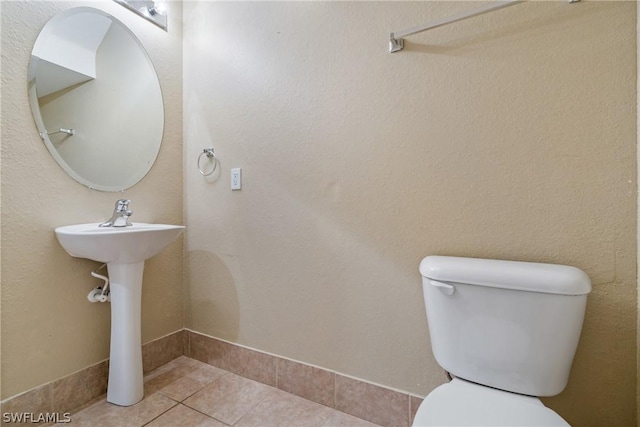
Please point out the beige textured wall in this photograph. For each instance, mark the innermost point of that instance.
(49, 329)
(511, 136)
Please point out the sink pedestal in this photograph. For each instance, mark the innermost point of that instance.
(124, 250)
(126, 386)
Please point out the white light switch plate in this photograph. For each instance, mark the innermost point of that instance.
(236, 179)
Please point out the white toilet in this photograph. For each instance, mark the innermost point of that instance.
(506, 331)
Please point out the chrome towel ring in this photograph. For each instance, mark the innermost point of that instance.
(210, 154)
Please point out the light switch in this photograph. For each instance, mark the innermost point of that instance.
(236, 179)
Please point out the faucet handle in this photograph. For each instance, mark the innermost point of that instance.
(122, 205)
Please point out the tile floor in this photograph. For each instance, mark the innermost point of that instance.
(189, 393)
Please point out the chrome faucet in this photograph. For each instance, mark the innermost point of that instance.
(121, 214)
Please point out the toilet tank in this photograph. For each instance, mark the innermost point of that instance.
(510, 325)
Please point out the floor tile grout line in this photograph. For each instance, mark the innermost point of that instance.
(202, 388)
(227, 373)
(206, 415)
(195, 392)
(161, 414)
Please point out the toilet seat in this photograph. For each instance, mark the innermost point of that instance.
(461, 403)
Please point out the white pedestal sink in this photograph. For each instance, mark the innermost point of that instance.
(124, 250)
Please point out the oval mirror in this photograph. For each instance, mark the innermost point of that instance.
(96, 99)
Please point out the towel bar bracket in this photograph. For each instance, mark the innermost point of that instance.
(395, 44)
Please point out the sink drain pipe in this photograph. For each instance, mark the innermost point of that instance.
(100, 293)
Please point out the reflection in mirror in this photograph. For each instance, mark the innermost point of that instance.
(96, 99)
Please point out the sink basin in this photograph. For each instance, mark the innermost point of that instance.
(135, 243)
(124, 250)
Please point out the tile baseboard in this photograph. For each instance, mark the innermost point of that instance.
(365, 400)
(75, 390)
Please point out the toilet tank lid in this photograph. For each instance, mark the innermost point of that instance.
(515, 275)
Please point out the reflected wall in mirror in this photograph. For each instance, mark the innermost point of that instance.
(96, 99)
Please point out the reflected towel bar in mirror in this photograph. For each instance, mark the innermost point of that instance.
(61, 130)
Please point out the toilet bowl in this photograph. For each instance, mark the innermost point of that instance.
(507, 331)
(462, 403)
